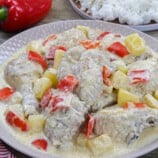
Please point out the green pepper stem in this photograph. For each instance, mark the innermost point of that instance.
(3, 13)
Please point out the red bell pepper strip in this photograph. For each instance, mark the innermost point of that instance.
(89, 44)
(52, 51)
(102, 35)
(15, 121)
(90, 125)
(68, 83)
(118, 49)
(117, 35)
(105, 74)
(46, 98)
(139, 76)
(5, 93)
(40, 144)
(36, 57)
(50, 38)
(16, 15)
(137, 105)
(57, 103)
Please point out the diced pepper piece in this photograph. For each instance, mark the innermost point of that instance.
(84, 29)
(89, 44)
(139, 76)
(40, 144)
(57, 59)
(90, 125)
(53, 50)
(151, 101)
(106, 72)
(117, 35)
(57, 103)
(50, 38)
(156, 94)
(119, 80)
(68, 83)
(135, 44)
(36, 122)
(5, 93)
(118, 49)
(137, 105)
(102, 35)
(34, 46)
(125, 96)
(41, 86)
(15, 121)
(46, 98)
(100, 145)
(140, 105)
(36, 57)
(52, 75)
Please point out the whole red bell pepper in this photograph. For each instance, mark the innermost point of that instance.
(16, 15)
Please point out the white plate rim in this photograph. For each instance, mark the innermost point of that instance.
(146, 27)
(12, 42)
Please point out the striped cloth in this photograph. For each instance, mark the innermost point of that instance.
(4, 152)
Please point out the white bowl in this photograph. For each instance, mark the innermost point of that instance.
(13, 44)
(145, 27)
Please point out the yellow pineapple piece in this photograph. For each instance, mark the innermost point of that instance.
(34, 46)
(151, 101)
(156, 94)
(99, 145)
(135, 44)
(36, 122)
(84, 29)
(52, 75)
(123, 69)
(119, 80)
(125, 96)
(41, 86)
(58, 57)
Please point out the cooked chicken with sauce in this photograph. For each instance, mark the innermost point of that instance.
(125, 125)
(82, 89)
(20, 74)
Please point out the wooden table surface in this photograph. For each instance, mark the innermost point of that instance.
(61, 10)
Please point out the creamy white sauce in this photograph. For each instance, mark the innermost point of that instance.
(147, 136)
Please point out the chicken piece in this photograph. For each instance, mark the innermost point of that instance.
(86, 65)
(20, 73)
(63, 124)
(125, 125)
(151, 65)
(71, 57)
(68, 39)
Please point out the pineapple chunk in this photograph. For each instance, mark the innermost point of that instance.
(156, 94)
(81, 140)
(41, 86)
(135, 44)
(119, 80)
(34, 46)
(123, 69)
(100, 145)
(52, 75)
(125, 96)
(84, 29)
(36, 123)
(151, 101)
(58, 57)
